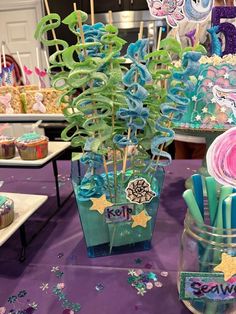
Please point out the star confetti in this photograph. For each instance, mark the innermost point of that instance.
(99, 287)
(44, 286)
(33, 305)
(140, 219)
(141, 291)
(227, 266)
(138, 261)
(141, 280)
(55, 269)
(100, 204)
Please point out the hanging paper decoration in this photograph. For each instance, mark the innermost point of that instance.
(221, 157)
(171, 10)
(197, 11)
(41, 74)
(27, 72)
(226, 28)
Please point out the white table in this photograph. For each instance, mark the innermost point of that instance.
(25, 117)
(55, 150)
(24, 206)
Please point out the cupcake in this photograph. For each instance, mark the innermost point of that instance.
(32, 146)
(6, 211)
(7, 147)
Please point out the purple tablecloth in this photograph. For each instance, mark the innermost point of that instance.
(61, 244)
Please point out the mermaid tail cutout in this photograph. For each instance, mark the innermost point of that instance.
(216, 47)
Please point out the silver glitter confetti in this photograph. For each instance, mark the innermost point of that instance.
(158, 284)
(164, 273)
(99, 287)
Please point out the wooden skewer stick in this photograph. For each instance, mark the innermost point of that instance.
(110, 19)
(80, 26)
(53, 30)
(159, 38)
(197, 35)
(140, 34)
(92, 12)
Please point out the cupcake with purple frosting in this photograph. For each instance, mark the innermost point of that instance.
(7, 147)
(32, 146)
(6, 211)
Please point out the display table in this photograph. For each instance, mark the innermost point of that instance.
(61, 244)
(24, 206)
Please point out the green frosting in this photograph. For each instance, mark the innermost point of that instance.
(29, 137)
(3, 200)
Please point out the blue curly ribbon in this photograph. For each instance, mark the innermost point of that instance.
(177, 105)
(92, 186)
(135, 115)
(91, 159)
(216, 45)
(93, 34)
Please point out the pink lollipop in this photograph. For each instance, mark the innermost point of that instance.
(221, 157)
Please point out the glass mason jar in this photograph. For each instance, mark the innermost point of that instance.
(112, 232)
(200, 251)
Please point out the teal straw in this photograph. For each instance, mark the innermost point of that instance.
(212, 198)
(224, 192)
(193, 206)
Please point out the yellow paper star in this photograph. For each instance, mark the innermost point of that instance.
(100, 204)
(140, 219)
(227, 266)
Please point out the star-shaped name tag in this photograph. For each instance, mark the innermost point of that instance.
(227, 266)
(100, 204)
(140, 219)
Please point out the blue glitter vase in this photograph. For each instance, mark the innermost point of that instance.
(112, 232)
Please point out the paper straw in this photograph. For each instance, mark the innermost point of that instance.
(224, 192)
(21, 67)
(193, 206)
(0, 62)
(4, 56)
(198, 191)
(212, 198)
(92, 11)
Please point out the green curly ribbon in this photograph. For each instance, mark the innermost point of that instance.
(49, 23)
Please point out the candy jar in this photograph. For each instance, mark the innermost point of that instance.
(206, 255)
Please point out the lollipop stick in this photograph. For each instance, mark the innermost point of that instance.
(4, 56)
(53, 30)
(21, 67)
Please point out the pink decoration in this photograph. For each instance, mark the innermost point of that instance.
(2, 310)
(221, 158)
(6, 101)
(41, 74)
(28, 72)
(169, 9)
(225, 97)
